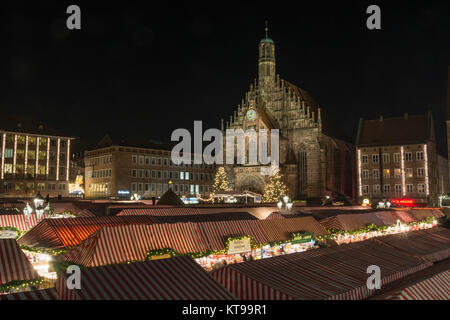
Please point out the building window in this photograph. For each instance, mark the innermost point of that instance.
(133, 173)
(408, 156)
(365, 174)
(153, 187)
(364, 159)
(140, 173)
(409, 172)
(397, 157)
(8, 168)
(421, 188)
(365, 189)
(41, 186)
(19, 186)
(62, 186)
(385, 157)
(397, 173)
(147, 174)
(409, 188)
(134, 159)
(420, 155)
(376, 173)
(165, 174)
(165, 162)
(153, 174)
(147, 161)
(133, 187)
(62, 156)
(387, 188)
(181, 175)
(420, 172)
(141, 160)
(52, 155)
(375, 158)
(9, 153)
(386, 173)
(146, 187)
(159, 161)
(398, 188)
(376, 188)
(153, 161)
(140, 187)
(159, 174)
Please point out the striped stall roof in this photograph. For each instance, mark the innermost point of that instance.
(18, 221)
(14, 265)
(390, 217)
(161, 211)
(45, 294)
(431, 244)
(332, 223)
(277, 230)
(216, 233)
(119, 244)
(436, 287)
(179, 278)
(326, 273)
(420, 214)
(275, 216)
(68, 232)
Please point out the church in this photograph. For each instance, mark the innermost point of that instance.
(313, 158)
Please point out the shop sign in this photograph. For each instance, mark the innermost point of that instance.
(8, 234)
(239, 246)
(163, 256)
(303, 238)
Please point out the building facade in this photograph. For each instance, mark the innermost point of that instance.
(313, 158)
(33, 160)
(397, 159)
(121, 169)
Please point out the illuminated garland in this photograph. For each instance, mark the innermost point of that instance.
(19, 233)
(54, 252)
(210, 199)
(20, 284)
(161, 252)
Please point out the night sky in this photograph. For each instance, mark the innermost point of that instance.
(143, 70)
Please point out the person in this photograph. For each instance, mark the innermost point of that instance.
(47, 198)
(224, 262)
(153, 200)
(250, 257)
(244, 257)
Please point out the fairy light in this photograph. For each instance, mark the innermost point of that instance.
(426, 169)
(57, 160)
(359, 172)
(26, 155)
(37, 155)
(403, 173)
(3, 154)
(68, 159)
(15, 153)
(48, 156)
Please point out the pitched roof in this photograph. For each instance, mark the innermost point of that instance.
(170, 198)
(395, 131)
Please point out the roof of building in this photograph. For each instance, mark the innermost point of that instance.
(396, 131)
(267, 39)
(170, 198)
(23, 124)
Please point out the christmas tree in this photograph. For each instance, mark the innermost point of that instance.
(220, 181)
(275, 189)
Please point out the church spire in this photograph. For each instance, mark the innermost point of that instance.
(266, 61)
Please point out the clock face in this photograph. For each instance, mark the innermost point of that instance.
(251, 114)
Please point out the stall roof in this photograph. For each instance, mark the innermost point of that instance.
(44, 294)
(179, 278)
(14, 265)
(283, 229)
(329, 273)
(18, 221)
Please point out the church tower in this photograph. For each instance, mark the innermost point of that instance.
(266, 61)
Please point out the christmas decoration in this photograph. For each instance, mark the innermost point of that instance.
(220, 181)
(18, 232)
(275, 189)
(20, 284)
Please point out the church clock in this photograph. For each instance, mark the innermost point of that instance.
(251, 114)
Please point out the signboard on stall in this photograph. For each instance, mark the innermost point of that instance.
(239, 246)
(163, 256)
(302, 237)
(8, 234)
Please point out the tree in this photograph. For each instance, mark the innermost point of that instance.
(220, 181)
(275, 189)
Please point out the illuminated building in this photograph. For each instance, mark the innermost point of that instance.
(398, 160)
(32, 160)
(122, 168)
(315, 157)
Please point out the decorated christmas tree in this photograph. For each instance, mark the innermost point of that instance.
(220, 181)
(275, 189)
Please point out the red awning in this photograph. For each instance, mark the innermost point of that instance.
(45, 294)
(18, 221)
(179, 278)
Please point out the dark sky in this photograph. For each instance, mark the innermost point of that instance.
(143, 69)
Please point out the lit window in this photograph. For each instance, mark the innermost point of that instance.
(375, 158)
(408, 156)
(420, 155)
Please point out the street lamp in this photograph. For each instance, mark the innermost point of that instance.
(39, 212)
(38, 200)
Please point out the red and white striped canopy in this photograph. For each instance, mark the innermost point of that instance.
(216, 233)
(119, 244)
(434, 288)
(18, 221)
(45, 294)
(179, 278)
(60, 233)
(159, 211)
(14, 265)
(277, 230)
(329, 273)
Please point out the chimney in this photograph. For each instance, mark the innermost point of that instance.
(406, 115)
(381, 118)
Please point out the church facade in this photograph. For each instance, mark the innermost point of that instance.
(313, 161)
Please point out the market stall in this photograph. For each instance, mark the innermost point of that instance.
(18, 221)
(164, 211)
(44, 294)
(326, 273)
(16, 272)
(179, 278)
